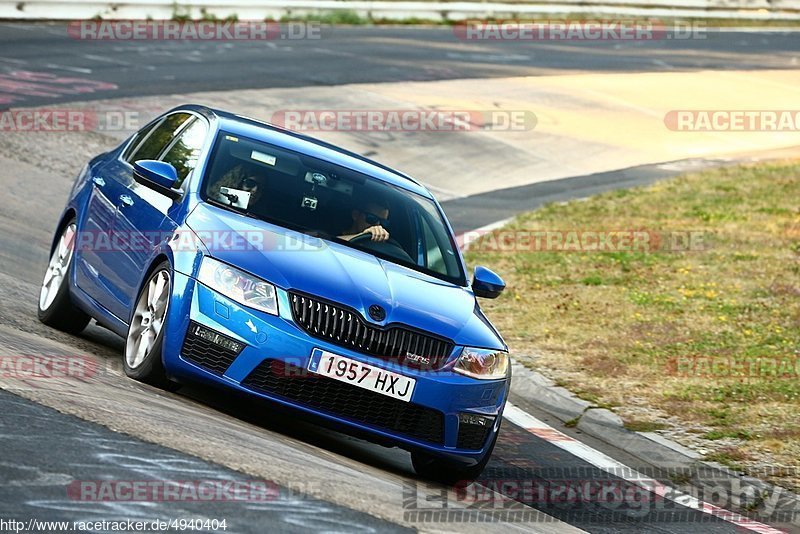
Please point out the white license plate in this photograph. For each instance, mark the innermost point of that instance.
(361, 374)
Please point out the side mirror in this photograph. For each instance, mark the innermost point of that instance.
(157, 175)
(487, 284)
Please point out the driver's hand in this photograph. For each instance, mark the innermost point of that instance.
(377, 232)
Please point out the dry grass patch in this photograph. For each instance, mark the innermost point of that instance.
(706, 340)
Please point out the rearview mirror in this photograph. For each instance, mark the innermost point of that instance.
(157, 175)
(487, 284)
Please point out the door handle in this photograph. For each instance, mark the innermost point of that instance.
(126, 200)
(98, 181)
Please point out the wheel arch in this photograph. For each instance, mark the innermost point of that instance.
(69, 214)
(154, 373)
(157, 260)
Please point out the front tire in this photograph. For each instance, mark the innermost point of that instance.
(55, 307)
(145, 339)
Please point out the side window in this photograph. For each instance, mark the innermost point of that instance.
(185, 151)
(159, 137)
(137, 140)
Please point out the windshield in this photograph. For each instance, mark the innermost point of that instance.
(323, 199)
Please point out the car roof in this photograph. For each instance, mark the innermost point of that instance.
(288, 139)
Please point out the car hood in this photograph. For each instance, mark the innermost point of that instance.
(295, 261)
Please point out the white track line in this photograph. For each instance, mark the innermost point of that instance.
(618, 469)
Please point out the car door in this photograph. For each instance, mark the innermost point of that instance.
(142, 217)
(95, 251)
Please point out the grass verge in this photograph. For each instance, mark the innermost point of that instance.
(701, 340)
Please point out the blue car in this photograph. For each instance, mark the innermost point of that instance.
(230, 252)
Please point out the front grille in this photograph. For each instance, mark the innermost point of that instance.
(345, 327)
(274, 377)
(207, 354)
(471, 436)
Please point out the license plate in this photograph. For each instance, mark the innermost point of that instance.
(361, 374)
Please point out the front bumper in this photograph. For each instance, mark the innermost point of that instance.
(268, 340)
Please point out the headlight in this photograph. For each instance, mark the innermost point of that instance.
(244, 288)
(482, 363)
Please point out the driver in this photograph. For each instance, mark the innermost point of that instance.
(369, 219)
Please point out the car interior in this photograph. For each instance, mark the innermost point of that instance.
(309, 195)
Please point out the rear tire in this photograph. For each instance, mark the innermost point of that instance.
(55, 308)
(145, 339)
(439, 470)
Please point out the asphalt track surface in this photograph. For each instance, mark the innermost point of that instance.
(43, 450)
(346, 55)
(34, 487)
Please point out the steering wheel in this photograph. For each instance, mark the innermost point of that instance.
(368, 237)
(390, 246)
